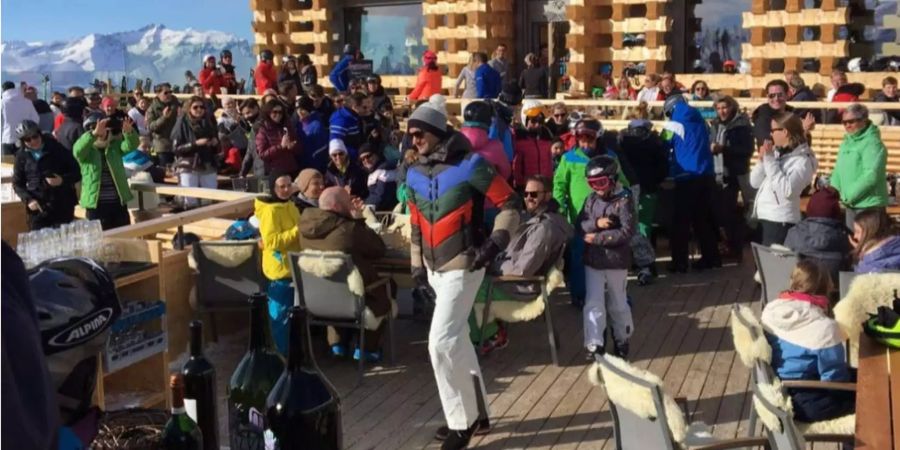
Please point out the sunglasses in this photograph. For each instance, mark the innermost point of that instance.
(418, 134)
(198, 108)
(167, 92)
(560, 116)
(600, 183)
(775, 95)
(700, 89)
(34, 137)
(533, 194)
(849, 121)
(366, 156)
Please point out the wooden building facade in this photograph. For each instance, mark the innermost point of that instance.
(589, 38)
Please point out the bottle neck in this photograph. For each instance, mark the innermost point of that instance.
(177, 400)
(299, 350)
(196, 340)
(260, 334)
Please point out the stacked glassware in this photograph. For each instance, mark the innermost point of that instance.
(79, 238)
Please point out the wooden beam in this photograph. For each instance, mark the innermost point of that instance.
(234, 207)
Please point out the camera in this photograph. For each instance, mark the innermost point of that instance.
(115, 122)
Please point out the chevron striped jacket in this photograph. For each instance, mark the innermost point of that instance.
(446, 191)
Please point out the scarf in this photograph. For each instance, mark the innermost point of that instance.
(817, 300)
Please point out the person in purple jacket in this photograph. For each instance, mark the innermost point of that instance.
(875, 241)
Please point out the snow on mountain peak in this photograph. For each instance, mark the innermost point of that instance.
(153, 51)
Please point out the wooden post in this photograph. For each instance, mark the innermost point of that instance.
(551, 59)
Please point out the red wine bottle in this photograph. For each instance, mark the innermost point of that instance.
(303, 410)
(181, 432)
(252, 381)
(200, 389)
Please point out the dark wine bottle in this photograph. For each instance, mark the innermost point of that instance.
(252, 381)
(303, 410)
(181, 432)
(200, 389)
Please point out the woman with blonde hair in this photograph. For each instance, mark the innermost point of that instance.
(533, 79)
(467, 77)
(786, 166)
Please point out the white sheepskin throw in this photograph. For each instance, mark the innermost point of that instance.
(519, 311)
(325, 264)
(398, 235)
(841, 425)
(638, 399)
(748, 348)
(229, 256)
(774, 394)
(866, 294)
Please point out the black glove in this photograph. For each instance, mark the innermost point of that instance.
(423, 290)
(484, 255)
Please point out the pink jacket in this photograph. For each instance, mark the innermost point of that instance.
(532, 157)
(489, 149)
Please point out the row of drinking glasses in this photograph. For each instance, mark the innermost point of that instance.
(79, 238)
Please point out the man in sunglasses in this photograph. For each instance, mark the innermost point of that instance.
(44, 177)
(447, 189)
(161, 117)
(777, 92)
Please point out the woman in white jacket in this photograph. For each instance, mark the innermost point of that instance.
(786, 166)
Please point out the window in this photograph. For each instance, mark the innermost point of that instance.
(391, 36)
(721, 34)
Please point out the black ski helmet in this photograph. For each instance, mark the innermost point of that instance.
(27, 128)
(478, 113)
(90, 122)
(349, 49)
(76, 304)
(588, 125)
(224, 53)
(671, 101)
(267, 55)
(601, 172)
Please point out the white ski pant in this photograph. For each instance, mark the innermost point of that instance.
(195, 179)
(606, 295)
(452, 354)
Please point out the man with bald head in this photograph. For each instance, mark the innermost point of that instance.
(337, 225)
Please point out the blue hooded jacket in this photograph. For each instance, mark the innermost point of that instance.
(688, 135)
(340, 75)
(345, 125)
(314, 134)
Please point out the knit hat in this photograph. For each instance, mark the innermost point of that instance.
(431, 116)
(336, 146)
(306, 176)
(107, 101)
(824, 203)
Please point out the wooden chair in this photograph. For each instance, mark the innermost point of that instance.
(228, 272)
(644, 417)
(331, 289)
(775, 267)
(755, 353)
(551, 276)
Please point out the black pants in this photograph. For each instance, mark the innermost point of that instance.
(774, 232)
(733, 216)
(110, 215)
(9, 149)
(693, 209)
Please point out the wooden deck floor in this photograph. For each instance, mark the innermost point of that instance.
(681, 334)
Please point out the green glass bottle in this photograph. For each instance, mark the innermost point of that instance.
(252, 381)
(181, 432)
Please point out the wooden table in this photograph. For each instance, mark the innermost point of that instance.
(877, 396)
(15, 221)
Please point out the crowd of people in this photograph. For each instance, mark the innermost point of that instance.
(506, 193)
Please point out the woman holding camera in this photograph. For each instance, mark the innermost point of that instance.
(195, 143)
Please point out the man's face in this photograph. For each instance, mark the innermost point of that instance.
(586, 140)
(852, 123)
(666, 85)
(559, 116)
(339, 159)
(372, 86)
(723, 111)
(369, 161)
(777, 97)
(890, 90)
(501, 52)
(198, 90)
(56, 99)
(365, 108)
(143, 103)
(226, 59)
(109, 109)
(535, 196)
(250, 112)
(284, 187)
(424, 141)
(228, 103)
(838, 80)
(94, 101)
(165, 95)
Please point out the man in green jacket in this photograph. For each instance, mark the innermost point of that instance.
(570, 189)
(104, 186)
(860, 170)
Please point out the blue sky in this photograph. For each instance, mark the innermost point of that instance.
(47, 20)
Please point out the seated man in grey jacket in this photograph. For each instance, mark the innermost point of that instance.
(536, 245)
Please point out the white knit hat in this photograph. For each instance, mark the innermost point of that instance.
(336, 146)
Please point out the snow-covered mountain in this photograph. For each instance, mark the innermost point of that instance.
(154, 52)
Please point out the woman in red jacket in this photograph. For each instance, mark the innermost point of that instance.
(210, 77)
(429, 82)
(276, 141)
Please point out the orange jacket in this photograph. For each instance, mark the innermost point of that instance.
(428, 84)
(265, 77)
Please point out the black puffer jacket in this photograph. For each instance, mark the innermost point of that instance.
(68, 132)
(821, 239)
(737, 137)
(646, 155)
(610, 248)
(29, 183)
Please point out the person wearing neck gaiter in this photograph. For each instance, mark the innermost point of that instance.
(807, 344)
(104, 186)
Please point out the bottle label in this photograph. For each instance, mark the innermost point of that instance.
(246, 428)
(190, 407)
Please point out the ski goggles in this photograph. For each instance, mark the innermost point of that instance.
(603, 183)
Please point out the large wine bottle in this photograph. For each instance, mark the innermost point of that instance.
(181, 432)
(304, 410)
(200, 389)
(252, 381)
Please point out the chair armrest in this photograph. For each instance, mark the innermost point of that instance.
(838, 438)
(379, 283)
(741, 442)
(815, 384)
(518, 279)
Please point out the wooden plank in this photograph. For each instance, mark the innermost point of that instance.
(13, 220)
(894, 377)
(240, 206)
(873, 403)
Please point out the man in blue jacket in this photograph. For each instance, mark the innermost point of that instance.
(314, 133)
(488, 83)
(691, 167)
(340, 73)
(345, 123)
